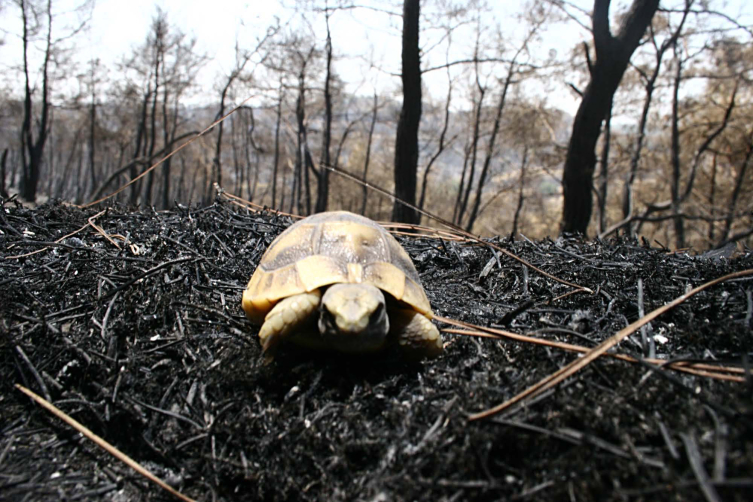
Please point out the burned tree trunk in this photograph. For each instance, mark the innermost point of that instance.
(368, 153)
(712, 196)
(322, 188)
(612, 57)
(301, 165)
(490, 149)
(140, 135)
(739, 180)
(32, 166)
(216, 176)
(603, 191)
(3, 191)
(521, 193)
(406, 142)
(237, 125)
(168, 135)
(440, 148)
(92, 136)
(159, 54)
(456, 216)
(650, 86)
(679, 222)
(276, 162)
(473, 154)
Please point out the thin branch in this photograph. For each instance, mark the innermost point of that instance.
(724, 16)
(103, 444)
(477, 61)
(569, 370)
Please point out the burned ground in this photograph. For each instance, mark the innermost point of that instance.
(147, 346)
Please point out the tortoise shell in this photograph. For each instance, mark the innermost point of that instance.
(330, 248)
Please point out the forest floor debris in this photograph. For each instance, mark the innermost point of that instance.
(133, 327)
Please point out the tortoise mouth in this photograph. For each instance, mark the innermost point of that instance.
(370, 338)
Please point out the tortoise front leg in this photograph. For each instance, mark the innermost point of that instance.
(288, 315)
(416, 334)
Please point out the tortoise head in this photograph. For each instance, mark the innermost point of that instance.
(353, 317)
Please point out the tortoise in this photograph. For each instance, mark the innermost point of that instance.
(338, 281)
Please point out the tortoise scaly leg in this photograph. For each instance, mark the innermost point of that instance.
(288, 315)
(416, 334)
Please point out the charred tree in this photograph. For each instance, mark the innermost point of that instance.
(308, 167)
(367, 160)
(216, 174)
(712, 195)
(32, 149)
(650, 86)
(509, 80)
(237, 124)
(300, 154)
(276, 162)
(160, 33)
(735, 196)
(72, 150)
(323, 181)
(216, 177)
(3, 160)
(406, 142)
(465, 190)
(440, 147)
(490, 148)
(140, 135)
(93, 130)
(679, 222)
(466, 159)
(678, 197)
(521, 193)
(248, 144)
(603, 189)
(613, 54)
(169, 127)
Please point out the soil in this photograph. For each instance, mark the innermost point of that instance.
(146, 344)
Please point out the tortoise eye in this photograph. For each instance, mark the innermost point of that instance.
(326, 318)
(377, 312)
